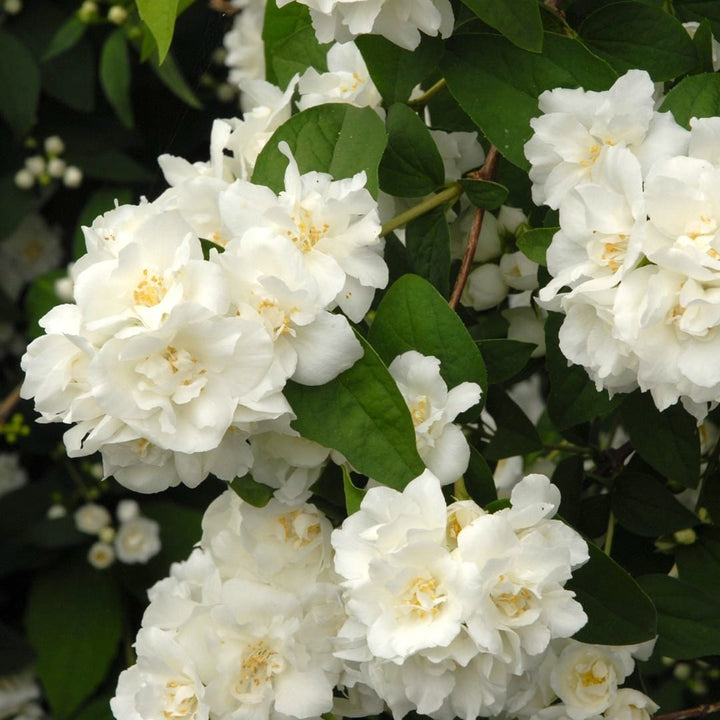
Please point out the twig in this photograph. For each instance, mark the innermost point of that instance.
(7, 405)
(486, 172)
(446, 195)
(699, 711)
(425, 98)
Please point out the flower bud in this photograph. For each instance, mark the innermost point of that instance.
(485, 288)
(54, 145)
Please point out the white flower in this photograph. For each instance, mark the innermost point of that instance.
(137, 540)
(630, 704)
(12, 474)
(433, 407)
(460, 152)
(526, 325)
(398, 20)
(127, 510)
(347, 80)
(518, 271)
(245, 56)
(101, 555)
(91, 518)
(485, 287)
(16, 691)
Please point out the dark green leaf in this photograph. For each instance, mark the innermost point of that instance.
(479, 67)
(479, 480)
(485, 193)
(14, 205)
(646, 507)
(688, 619)
(535, 242)
(515, 434)
(57, 532)
(694, 96)
(632, 35)
(338, 139)
(518, 20)
(179, 530)
(73, 620)
(96, 710)
(568, 478)
(65, 37)
(362, 414)
(703, 42)
(504, 358)
(19, 84)
(573, 398)
(115, 76)
(70, 77)
(170, 75)
(699, 10)
(159, 16)
(113, 165)
(427, 240)
(396, 71)
(668, 441)
(15, 651)
(40, 299)
(101, 201)
(414, 316)
(411, 165)
(251, 491)
(699, 564)
(619, 611)
(353, 494)
(290, 43)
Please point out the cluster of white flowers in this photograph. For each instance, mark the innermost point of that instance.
(636, 262)
(20, 696)
(168, 362)
(43, 169)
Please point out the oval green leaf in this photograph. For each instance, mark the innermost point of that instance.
(518, 20)
(694, 96)
(115, 76)
(159, 16)
(19, 84)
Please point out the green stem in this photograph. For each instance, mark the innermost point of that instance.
(444, 196)
(428, 95)
(569, 447)
(609, 535)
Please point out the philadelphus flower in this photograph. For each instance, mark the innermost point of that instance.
(137, 540)
(92, 518)
(433, 407)
(398, 20)
(245, 57)
(446, 605)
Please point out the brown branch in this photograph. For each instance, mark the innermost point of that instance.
(224, 6)
(486, 172)
(696, 712)
(7, 405)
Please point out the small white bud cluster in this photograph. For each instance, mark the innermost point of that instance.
(42, 169)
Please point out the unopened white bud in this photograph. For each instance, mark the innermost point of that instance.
(56, 511)
(127, 510)
(510, 219)
(519, 271)
(24, 179)
(12, 7)
(72, 177)
(117, 15)
(88, 11)
(107, 534)
(92, 518)
(225, 92)
(54, 145)
(526, 326)
(101, 555)
(485, 288)
(64, 289)
(56, 167)
(35, 164)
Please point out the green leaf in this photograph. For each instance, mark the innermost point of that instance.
(73, 620)
(15, 204)
(504, 358)
(251, 491)
(703, 42)
(98, 709)
(699, 10)
(411, 165)
(396, 71)
(15, 651)
(646, 506)
(483, 67)
(19, 85)
(115, 76)
(688, 618)
(484, 193)
(362, 414)
(668, 441)
(338, 139)
(101, 201)
(515, 434)
(479, 480)
(427, 239)
(699, 564)
(353, 495)
(70, 77)
(159, 16)
(414, 316)
(40, 299)
(113, 165)
(534, 243)
(65, 37)
(618, 609)
(518, 20)
(632, 35)
(694, 96)
(170, 75)
(573, 398)
(290, 43)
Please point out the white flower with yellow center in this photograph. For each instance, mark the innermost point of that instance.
(137, 540)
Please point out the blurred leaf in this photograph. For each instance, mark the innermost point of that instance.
(668, 441)
(73, 620)
(504, 358)
(688, 618)
(113, 165)
(101, 201)
(179, 531)
(699, 564)
(514, 434)
(159, 16)
(362, 414)
(484, 193)
(115, 76)
(353, 494)
(518, 20)
(396, 71)
(634, 35)
(65, 37)
(98, 709)
(414, 316)
(170, 75)
(479, 480)
(40, 299)
(15, 204)
(70, 77)
(427, 239)
(54, 533)
(534, 243)
(618, 609)
(478, 67)
(16, 654)
(251, 491)
(19, 85)
(694, 96)
(290, 43)
(646, 507)
(338, 139)
(568, 478)
(411, 165)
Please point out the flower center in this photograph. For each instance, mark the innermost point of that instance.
(596, 674)
(422, 598)
(513, 604)
(420, 410)
(150, 290)
(309, 234)
(257, 668)
(180, 700)
(300, 528)
(277, 321)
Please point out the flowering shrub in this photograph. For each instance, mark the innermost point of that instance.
(385, 384)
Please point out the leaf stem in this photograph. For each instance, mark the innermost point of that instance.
(486, 172)
(607, 548)
(424, 99)
(699, 711)
(444, 196)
